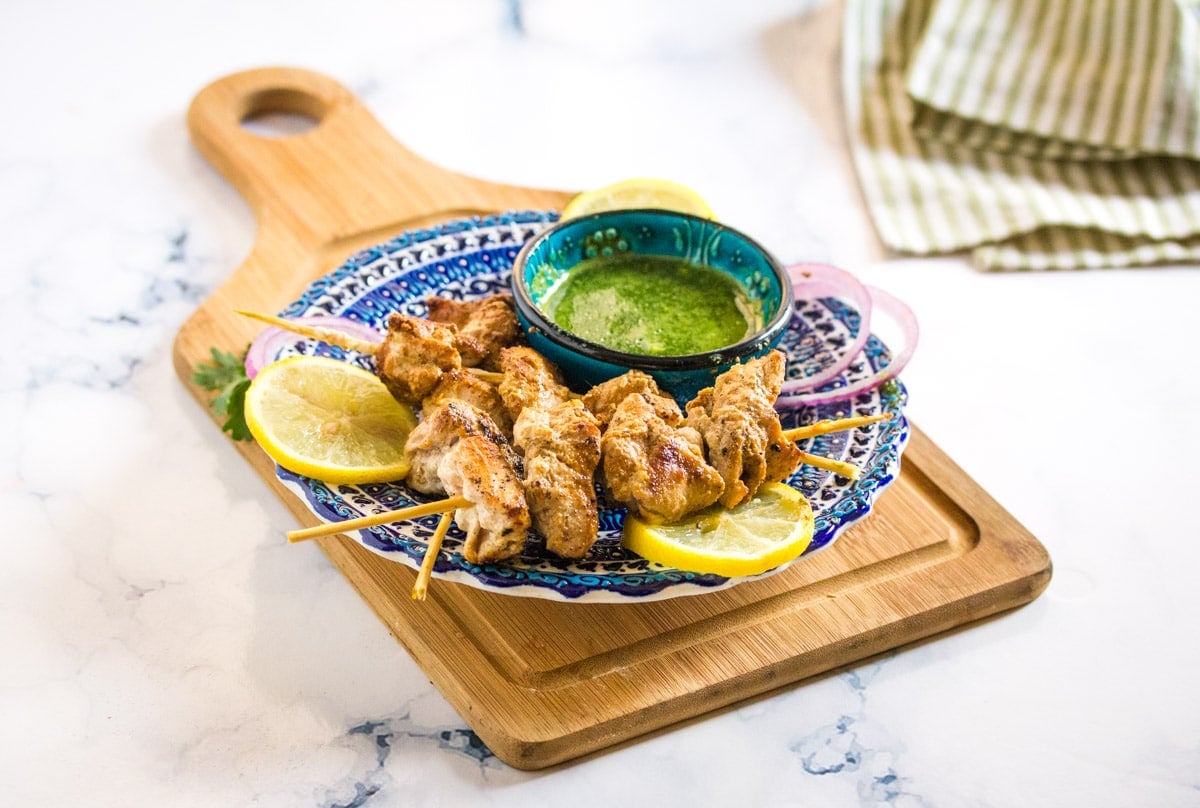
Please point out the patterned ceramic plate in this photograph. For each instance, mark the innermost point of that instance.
(472, 258)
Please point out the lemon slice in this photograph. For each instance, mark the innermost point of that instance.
(772, 528)
(642, 192)
(329, 420)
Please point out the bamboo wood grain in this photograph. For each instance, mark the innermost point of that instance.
(542, 681)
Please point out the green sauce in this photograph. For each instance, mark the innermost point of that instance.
(649, 304)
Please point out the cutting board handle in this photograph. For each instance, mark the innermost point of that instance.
(344, 176)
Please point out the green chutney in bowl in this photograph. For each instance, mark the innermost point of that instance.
(677, 296)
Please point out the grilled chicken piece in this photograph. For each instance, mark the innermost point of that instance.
(413, 356)
(485, 326)
(459, 385)
(530, 381)
(498, 517)
(560, 442)
(741, 430)
(561, 447)
(439, 430)
(653, 467)
(603, 399)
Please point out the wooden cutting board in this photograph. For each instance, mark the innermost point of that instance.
(544, 681)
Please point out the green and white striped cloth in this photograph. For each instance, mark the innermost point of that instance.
(1039, 134)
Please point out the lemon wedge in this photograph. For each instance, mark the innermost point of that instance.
(772, 528)
(641, 192)
(329, 420)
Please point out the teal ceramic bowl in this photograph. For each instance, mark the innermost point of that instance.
(546, 259)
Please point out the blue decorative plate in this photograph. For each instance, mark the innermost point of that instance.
(472, 258)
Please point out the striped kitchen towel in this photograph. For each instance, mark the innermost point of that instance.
(1039, 134)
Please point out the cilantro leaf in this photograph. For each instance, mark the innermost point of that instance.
(226, 374)
(224, 368)
(235, 401)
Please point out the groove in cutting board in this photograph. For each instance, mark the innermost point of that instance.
(544, 681)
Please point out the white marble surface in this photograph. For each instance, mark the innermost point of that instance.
(161, 645)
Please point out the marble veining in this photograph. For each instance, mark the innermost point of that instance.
(397, 734)
(514, 17)
(853, 749)
(160, 643)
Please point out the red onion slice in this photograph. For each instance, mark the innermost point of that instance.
(810, 281)
(905, 320)
(267, 345)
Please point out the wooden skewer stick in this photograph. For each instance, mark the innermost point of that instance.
(824, 428)
(344, 341)
(431, 553)
(329, 335)
(489, 376)
(834, 425)
(387, 517)
(829, 464)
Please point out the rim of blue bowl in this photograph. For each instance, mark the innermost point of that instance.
(567, 339)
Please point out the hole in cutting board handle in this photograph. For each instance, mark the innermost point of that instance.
(281, 113)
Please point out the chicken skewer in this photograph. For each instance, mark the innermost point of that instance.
(481, 328)
(743, 434)
(664, 467)
(430, 362)
(604, 398)
(559, 439)
(410, 359)
(451, 417)
(497, 519)
(458, 449)
(420, 362)
(461, 455)
(653, 463)
(741, 430)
